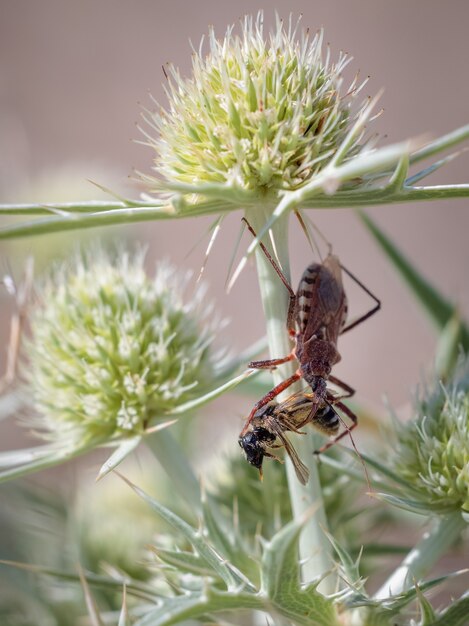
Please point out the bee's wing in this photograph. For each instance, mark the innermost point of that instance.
(297, 410)
(301, 470)
(294, 398)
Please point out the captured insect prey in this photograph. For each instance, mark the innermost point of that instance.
(317, 315)
(272, 420)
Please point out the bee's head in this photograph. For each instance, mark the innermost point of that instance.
(254, 443)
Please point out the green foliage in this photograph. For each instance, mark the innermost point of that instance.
(218, 586)
(440, 311)
(454, 615)
(427, 613)
(264, 506)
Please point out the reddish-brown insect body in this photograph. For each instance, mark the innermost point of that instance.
(316, 317)
(320, 314)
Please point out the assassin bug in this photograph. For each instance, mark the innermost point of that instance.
(271, 421)
(316, 317)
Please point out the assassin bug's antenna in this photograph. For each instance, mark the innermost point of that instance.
(308, 227)
(347, 430)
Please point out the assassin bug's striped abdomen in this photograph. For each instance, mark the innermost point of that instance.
(320, 296)
(320, 316)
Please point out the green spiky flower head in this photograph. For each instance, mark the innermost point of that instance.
(433, 450)
(260, 114)
(112, 349)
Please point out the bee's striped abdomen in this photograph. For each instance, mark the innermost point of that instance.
(327, 420)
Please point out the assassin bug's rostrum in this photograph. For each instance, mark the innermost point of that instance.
(317, 315)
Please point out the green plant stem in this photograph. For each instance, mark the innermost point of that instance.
(419, 561)
(82, 217)
(306, 500)
(174, 461)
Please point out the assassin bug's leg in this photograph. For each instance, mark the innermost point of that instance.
(348, 429)
(270, 396)
(349, 391)
(369, 313)
(271, 363)
(283, 278)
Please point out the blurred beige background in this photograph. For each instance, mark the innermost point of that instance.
(72, 75)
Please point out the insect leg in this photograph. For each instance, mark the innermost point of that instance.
(271, 363)
(351, 415)
(273, 456)
(349, 391)
(270, 396)
(281, 275)
(371, 312)
(283, 278)
(309, 235)
(348, 429)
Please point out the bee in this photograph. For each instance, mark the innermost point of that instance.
(317, 315)
(272, 420)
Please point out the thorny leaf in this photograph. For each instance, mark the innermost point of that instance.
(454, 615)
(206, 551)
(281, 592)
(91, 214)
(350, 568)
(436, 306)
(449, 347)
(121, 453)
(195, 605)
(184, 562)
(413, 506)
(426, 610)
(136, 588)
(281, 581)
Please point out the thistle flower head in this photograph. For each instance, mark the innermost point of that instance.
(261, 114)
(433, 449)
(111, 348)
